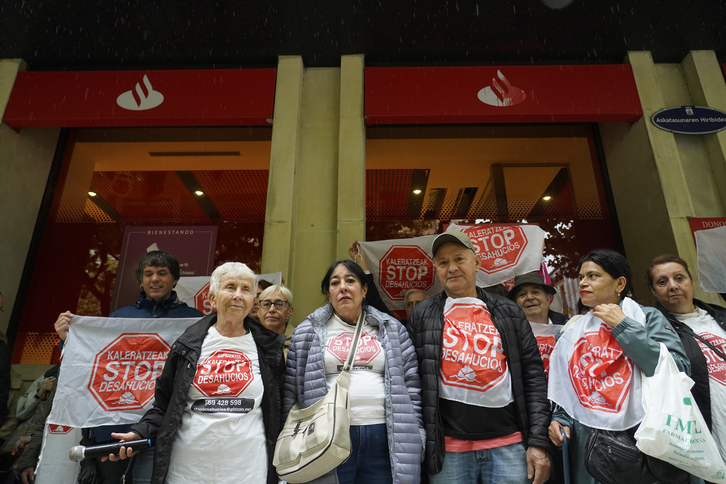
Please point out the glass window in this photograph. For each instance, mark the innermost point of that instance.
(113, 179)
(420, 179)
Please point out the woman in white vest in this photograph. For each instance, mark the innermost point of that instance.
(702, 328)
(595, 368)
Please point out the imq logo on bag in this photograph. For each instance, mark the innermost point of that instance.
(405, 267)
(124, 372)
(498, 247)
(600, 373)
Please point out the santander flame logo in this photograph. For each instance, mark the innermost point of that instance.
(501, 93)
(140, 98)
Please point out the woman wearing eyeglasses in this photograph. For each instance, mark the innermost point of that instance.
(275, 308)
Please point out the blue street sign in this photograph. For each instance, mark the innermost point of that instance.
(690, 120)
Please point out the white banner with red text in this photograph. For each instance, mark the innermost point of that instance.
(546, 335)
(109, 369)
(711, 248)
(505, 250)
(593, 380)
(54, 466)
(399, 265)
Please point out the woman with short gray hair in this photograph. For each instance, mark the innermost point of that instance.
(217, 408)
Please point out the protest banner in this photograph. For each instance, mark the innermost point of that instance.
(109, 369)
(54, 466)
(505, 250)
(711, 248)
(399, 265)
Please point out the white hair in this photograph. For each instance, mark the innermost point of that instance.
(286, 293)
(234, 269)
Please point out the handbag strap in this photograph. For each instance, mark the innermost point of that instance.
(690, 332)
(354, 346)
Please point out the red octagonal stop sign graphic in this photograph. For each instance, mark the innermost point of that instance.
(499, 247)
(405, 267)
(367, 349)
(201, 300)
(124, 372)
(600, 372)
(223, 373)
(716, 366)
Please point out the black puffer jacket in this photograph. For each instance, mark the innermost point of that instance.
(163, 419)
(699, 367)
(529, 385)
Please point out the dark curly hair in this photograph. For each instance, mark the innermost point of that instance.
(158, 258)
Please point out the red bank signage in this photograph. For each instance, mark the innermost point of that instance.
(506, 94)
(227, 97)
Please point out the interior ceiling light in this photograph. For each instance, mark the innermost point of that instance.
(198, 193)
(546, 198)
(417, 191)
(92, 194)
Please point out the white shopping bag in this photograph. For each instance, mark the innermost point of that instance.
(673, 429)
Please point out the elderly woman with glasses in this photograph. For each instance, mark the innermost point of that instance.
(217, 407)
(275, 308)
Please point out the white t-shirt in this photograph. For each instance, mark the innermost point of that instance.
(474, 367)
(367, 393)
(706, 327)
(221, 438)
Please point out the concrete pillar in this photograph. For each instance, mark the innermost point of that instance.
(707, 87)
(284, 159)
(315, 212)
(656, 176)
(351, 155)
(9, 69)
(25, 162)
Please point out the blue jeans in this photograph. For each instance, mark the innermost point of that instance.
(369, 462)
(501, 465)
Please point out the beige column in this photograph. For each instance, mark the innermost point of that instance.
(284, 159)
(657, 177)
(351, 155)
(315, 212)
(707, 87)
(25, 162)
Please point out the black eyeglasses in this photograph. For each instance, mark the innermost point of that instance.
(279, 305)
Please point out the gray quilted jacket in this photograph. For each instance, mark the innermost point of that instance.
(305, 384)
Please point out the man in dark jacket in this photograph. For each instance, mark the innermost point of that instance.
(158, 273)
(485, 406)
(533, 296)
